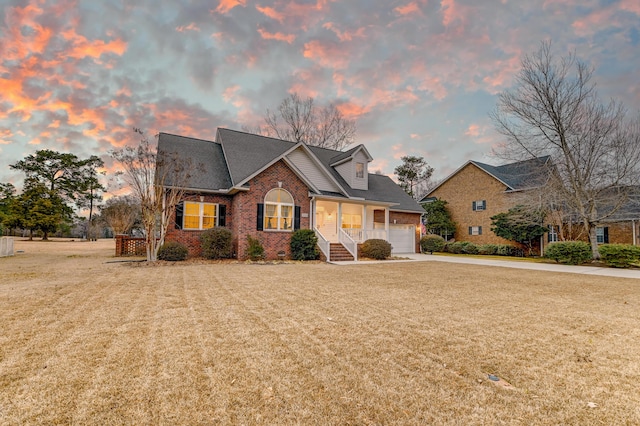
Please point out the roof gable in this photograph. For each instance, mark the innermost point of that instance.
(246, 153)
(516, 176)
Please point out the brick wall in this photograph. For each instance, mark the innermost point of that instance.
(191, 238)
(244, 207)
(461, 190)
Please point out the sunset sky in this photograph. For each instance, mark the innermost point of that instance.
(418, 76)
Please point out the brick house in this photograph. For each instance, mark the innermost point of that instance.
(267, 188)
(476, 191)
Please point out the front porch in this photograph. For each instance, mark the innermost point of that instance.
(351, 223)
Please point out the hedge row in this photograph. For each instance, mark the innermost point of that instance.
(620, 255)
(435, 243)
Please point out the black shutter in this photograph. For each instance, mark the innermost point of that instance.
(222, 215)
(484, 204)
(296, 218)
(549, 233)
(606, 235)
(260, 220)
(479, 230)
(179, 214)
(473, 207)
(471, 230)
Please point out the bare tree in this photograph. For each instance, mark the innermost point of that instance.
(121, 213)
(555, 110)
(301, 120)
(157, 180)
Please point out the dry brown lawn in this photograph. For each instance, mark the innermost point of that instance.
(85, 340)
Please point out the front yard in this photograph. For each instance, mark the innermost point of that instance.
(90, 340)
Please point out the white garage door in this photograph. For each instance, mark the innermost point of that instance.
(402, 238)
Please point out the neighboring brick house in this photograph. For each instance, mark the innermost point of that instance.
(267, 188)
(476, 191)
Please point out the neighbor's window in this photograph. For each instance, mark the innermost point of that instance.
(553, 234)
(360, 170)
(199, 215)
(278, 210)
(479, 205)
(475, 230)
(602, 234)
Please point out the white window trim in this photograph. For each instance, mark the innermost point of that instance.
(200, 215)
(356, 169)
(600, 234)
(475, 230)
(480, 205)
(278, 215)
(553, 234)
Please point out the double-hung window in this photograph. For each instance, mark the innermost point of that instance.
(198, 216)
(475, 230)
(553, 234)
(278, 210)
(602, 234)
(360, 170)
(479, 205)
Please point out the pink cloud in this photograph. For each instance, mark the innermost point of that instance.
(345, 35)
(630, 6)
(271, 13)
(82, 47)
(352, 110)
(473, 130)
(191, 27)
(226, 5)
(327, 54)
(408, 9)
(289, 38)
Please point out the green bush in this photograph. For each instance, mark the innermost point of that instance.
(217, 243)
(488, 249)
(304, 245)
(620, 255)
(505, 250)
(173, 251)
(430, 243)
(469, 248)
(569, 252)
(462, 247)
(376, 249)
(255, 250)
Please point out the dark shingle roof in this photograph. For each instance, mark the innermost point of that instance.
(210, 170)
(247, 153)
(520, 175)
(381, 187)
(236, 156)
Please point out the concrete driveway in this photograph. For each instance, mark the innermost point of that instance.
(552, 267)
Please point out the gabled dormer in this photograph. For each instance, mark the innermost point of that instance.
(353, 166)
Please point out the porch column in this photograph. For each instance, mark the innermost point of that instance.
(365, 237)
(386, 223)
(339, 218)
(312, 214)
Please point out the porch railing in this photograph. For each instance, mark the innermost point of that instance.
(349, 243)
(361, 235)
(323, 243)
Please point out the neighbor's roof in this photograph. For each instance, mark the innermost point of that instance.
(236, 156)
(516, 176)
